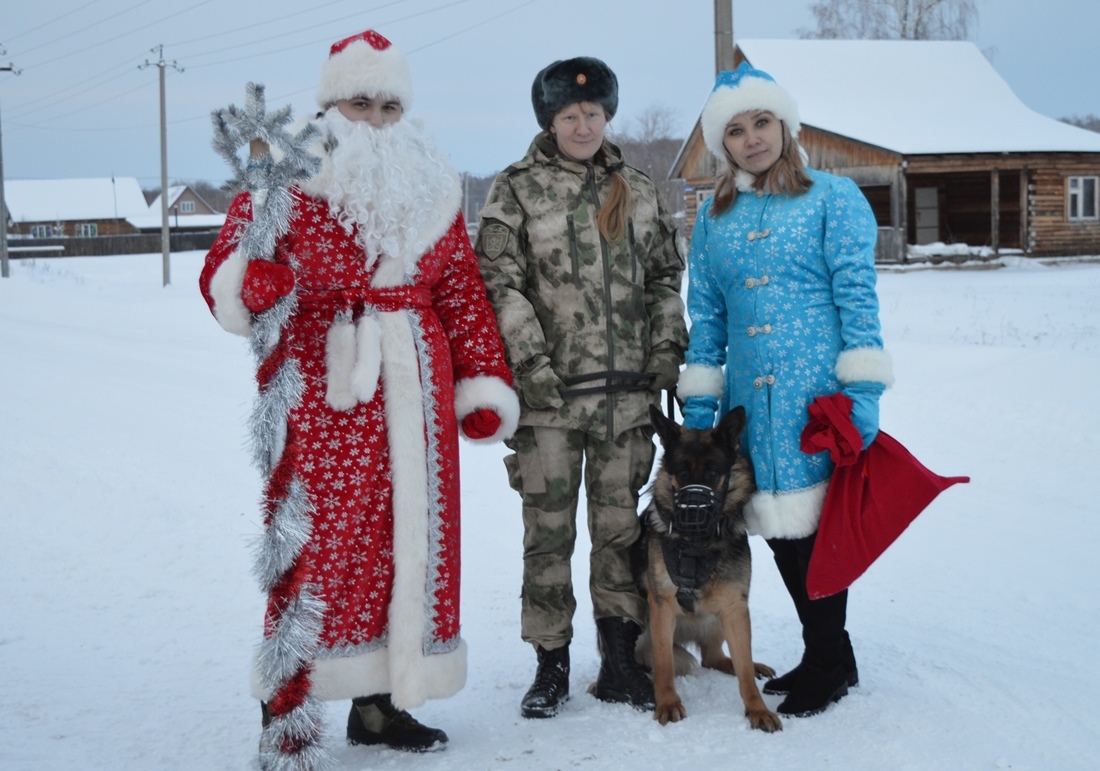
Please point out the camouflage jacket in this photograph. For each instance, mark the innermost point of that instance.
(597, 310)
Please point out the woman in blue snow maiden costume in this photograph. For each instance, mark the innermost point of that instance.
(783, 310)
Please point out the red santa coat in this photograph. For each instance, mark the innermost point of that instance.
(365, 372)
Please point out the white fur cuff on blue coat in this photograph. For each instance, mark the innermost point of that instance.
(700, 380)
(858, 364)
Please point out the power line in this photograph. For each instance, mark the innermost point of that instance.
(123, 70)
(54, 20)
(206, 117)
(21, 111)
(314, 42)
(84, 29)
(273, 20)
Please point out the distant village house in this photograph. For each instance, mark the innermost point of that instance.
(102, 216)
(937, 141)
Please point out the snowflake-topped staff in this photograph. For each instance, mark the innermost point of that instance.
(267, 180)
(292, 735)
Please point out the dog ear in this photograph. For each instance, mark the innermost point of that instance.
(667, 429)
(728, 431)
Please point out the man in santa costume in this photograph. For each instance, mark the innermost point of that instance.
(375, 345)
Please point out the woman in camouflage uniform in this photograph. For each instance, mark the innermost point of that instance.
(584, 271)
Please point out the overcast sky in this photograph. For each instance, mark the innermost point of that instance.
(83, 106)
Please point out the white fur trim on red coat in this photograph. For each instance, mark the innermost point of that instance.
(225, 289)
(346, 677)
(339, 364)
(404, 410)
(858, 364)
(700, 380)
(486, 392)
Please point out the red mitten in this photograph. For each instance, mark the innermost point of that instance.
(481, 424)
(264, 283)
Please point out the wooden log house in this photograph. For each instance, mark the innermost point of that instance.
(939, 144)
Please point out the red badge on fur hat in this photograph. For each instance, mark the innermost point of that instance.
(873, 496)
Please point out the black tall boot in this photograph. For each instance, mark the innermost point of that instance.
(828, 666)
(621, 678)
(822, 678)
(374, 720)
(551, 687)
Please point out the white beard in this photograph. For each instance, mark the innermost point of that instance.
(389, 185)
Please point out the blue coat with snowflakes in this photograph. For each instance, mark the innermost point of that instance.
(782, 295)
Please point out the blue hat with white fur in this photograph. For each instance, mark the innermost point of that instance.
(736, 91)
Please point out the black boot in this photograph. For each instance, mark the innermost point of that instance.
(782, 685)
(621, 678)
(814, 689)
(374, 720)
(813, 684)
(551, 687)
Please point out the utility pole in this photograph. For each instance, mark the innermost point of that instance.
(723, 36)
(165, 242)
(4, 270)
(723, 51)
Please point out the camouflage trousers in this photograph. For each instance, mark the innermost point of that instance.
(545, 468)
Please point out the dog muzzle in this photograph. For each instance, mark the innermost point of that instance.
(695, 512)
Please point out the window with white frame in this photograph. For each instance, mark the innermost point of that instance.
(41, 231)
(1082, 201)
(87, 230)
(187, 207)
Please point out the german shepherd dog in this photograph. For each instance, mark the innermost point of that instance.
(694, 551)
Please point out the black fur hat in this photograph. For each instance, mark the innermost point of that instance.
(568, 81)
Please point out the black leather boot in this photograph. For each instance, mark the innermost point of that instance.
(621, 678)
(374, 720)
(814, 689)
(551, 687)
(827, 649)
(782, 685)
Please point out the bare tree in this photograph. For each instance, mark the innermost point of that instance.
(217, 196)
(1090, 121)
(648, 144)
(893, 19)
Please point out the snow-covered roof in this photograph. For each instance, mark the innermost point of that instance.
(912, 97)
(174, 192)
(51, 200)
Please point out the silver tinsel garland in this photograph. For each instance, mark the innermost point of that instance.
(295, 635)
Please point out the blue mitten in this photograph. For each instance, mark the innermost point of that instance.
(864, 395)
(699, 411)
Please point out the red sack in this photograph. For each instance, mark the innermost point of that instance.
(872, 497)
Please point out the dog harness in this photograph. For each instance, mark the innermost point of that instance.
(690, 563)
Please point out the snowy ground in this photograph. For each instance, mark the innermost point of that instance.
(128, 510)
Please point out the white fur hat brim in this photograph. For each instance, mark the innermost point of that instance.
(750, 93)
(362, 70)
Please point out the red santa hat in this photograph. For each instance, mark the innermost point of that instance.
(366, 64)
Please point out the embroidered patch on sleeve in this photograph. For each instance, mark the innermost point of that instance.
(494, 239)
